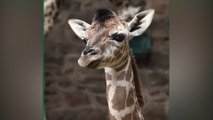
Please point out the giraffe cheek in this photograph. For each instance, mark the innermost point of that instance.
(105, 61)
(116, 52)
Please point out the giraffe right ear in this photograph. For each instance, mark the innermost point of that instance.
(79, 27)
(140, 22)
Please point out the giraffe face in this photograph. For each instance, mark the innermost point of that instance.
(106, 39)
(104, 45)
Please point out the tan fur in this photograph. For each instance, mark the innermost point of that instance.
(125, 95)
(119, 97)
(130, 98)
(107, 91)
(50, 12)
(135, 115)
(127, 117)
(111, 117)
(128, 74)
(121, 75)
(108, 76)
(138, 87)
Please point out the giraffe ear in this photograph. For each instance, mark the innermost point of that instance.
(79, 27)
(140, 22)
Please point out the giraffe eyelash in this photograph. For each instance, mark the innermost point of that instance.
(84, 40)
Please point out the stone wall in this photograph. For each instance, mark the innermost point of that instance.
(75, 93)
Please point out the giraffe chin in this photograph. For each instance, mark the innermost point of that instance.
(90, 61)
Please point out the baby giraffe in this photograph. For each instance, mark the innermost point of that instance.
(107, 46)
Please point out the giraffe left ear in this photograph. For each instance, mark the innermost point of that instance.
(140, 22)
(79, 27)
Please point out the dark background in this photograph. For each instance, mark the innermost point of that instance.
(75, 93)
(190, 60)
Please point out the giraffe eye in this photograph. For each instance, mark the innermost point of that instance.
(84, 40)
(118, 37)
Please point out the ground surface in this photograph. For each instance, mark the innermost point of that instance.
(75, 93)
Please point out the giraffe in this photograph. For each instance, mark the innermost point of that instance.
(51, 11)
(106, 40)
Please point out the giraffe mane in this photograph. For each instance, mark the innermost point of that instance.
(102, 15)
(138, 91)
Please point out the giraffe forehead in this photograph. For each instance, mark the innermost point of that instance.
(106, 25)
(100, 31)
(97, 33)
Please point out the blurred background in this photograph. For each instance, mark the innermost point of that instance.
(75, 93)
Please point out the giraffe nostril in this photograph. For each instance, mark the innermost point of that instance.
(89, 52)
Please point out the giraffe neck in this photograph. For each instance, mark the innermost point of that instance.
(121, 93)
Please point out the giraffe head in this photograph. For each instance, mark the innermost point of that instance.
(107, 37)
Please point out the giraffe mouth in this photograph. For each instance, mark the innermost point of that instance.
(90, 61)
(94, 64)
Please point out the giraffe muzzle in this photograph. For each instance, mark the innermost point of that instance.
(90, 61)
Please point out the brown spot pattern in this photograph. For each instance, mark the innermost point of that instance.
(108, 76)
(136, 82)
(111, 117)
(118, 98)
(135, 115)
(127, 117)
(116, 52)
(130, 98)
(128, 74)
(122, 66)
(121, 75)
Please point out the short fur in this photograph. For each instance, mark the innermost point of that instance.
(102, 15)
(138, 87)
